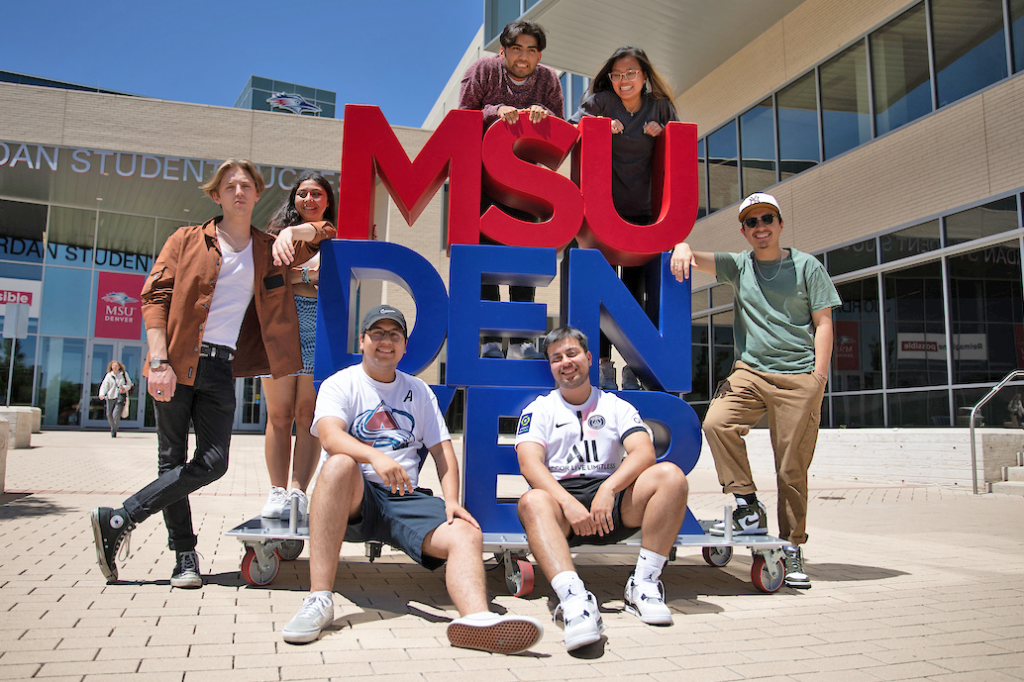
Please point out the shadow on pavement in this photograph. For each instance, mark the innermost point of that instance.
(14, 505)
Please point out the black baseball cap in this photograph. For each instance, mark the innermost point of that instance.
(383, 312)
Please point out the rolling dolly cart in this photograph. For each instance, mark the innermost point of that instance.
(767, 572)
(268, 542)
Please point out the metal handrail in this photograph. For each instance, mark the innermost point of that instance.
(988, 396)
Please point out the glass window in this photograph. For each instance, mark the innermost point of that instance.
(757, 144)
(857, 338)
(853, 257)
(702, 181)
(992, 218)
(987, 313)
(724, 352)
(699, 360)
(70, 237)
(698, 301)
(21, 231)
(124, 243)
(798, 126)
(721, 295)
(899, 67)
(858, 411)
(578, 88)
(970, 50)
(846, 118)
(910, 241)
(919, 408)
(995, 413)
(723, 183)
(66, 300)
(61, 375)
(915, 329)
(24, 368)
(1017, 33)
(502, 13)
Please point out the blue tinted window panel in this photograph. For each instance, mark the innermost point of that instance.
(899, 67)
(757, 145)
(723, 181)
(1017, 33)
(67, 302)
(970, 48)
(797, 105)
(844, 100)
(702, 182)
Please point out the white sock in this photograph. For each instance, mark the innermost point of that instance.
(568, 584)
(649, 566)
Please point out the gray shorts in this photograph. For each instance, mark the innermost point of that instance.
(402, 521)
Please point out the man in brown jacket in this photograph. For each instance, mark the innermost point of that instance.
(217, 305)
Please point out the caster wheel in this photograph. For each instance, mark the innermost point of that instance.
(519, 577)
(762, 579)
(253, 574)
(717, 556)
(290, 550)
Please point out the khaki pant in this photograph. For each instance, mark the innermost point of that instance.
(793, 404)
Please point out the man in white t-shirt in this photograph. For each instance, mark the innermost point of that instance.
(376, 425)
(594, 479)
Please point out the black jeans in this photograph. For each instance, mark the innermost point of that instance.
(209, 404)
(113, 410)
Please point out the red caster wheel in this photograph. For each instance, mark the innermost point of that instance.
(257, 575)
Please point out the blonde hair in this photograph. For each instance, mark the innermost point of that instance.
(211, 185)
(119, 366)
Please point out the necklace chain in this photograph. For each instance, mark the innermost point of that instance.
(758, 268)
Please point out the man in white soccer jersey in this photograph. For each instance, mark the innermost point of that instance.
(594, 479)
(373, 423)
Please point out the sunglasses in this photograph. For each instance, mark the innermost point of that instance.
(767, 219)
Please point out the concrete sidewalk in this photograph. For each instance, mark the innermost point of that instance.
(910, 583)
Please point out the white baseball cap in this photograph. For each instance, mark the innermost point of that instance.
(758, 199)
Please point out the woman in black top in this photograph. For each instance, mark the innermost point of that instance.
(628, 90)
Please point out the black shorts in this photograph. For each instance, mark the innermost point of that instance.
(584, 489)
(402, 521)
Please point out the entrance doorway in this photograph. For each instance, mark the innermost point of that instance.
(128, 353)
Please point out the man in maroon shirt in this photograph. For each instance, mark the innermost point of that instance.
(504, 86)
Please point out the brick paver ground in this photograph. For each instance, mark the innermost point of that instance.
(910, 583)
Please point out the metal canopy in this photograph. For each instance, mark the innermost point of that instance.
(685, 39)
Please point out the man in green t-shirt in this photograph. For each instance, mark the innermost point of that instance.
(783, 339)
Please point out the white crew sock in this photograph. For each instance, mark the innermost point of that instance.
(568, 584)
(649, 566)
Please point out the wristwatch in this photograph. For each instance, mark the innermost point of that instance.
(154, 363)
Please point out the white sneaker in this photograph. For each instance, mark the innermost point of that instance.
(303, 506)
(646, 601)
(746, 520)
(582, 618)
(491, 349)
(317, 612)
(795, 576)
(524, 351)
(276, 501)
(492, 632)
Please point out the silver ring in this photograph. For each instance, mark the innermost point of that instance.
(159, 392)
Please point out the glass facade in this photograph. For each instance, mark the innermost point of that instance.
(895, 360)
(884, 80)
(258, 91)
(79, 230)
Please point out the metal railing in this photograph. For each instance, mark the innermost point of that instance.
(988, 396)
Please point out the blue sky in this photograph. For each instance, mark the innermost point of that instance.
(397, 54)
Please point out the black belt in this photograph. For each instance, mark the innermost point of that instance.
(217, 352)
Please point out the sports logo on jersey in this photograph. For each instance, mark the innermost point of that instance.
(385, 427)
(524, 424)
(596, 422)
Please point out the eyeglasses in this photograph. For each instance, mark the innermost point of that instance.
(767, 219)
(378, 335)
(628, 76)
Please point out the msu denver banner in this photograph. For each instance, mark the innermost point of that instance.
(118, 308)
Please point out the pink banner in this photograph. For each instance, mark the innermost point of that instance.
(118, 308)
(847, 352)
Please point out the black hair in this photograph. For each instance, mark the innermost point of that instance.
(556, 335)
(288, 215)
(658, 88)
(520, 27)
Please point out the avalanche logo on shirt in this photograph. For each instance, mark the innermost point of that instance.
(384, 427)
